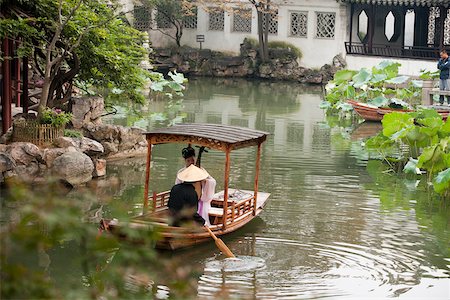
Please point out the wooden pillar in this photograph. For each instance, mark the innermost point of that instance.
(25, 85)
(421, 26)
(442, 16)
(255, 198)
(225, 188)
(147, 175)
(6, 93)
(18, 82)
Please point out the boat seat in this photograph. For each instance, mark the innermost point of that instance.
(216, 214)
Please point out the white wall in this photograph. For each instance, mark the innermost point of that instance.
(409, 67)
(316, 51)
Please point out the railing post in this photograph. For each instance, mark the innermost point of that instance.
(255, 192)
(225, 188)
(147, 175)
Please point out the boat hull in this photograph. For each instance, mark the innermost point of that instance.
(376, 114)
(172, 238)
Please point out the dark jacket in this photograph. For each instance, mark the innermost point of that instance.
(183, 204)
(444, 66)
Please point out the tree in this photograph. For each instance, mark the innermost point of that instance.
(265, 11)
(174, 12)
(85, 40)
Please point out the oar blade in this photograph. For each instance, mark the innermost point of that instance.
(222, 247)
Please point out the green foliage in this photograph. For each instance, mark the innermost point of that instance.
(48, 219)
(376, 86)
(73, 133)
(426, 74)
(422, 138)
(285, 45)
(254, 43)
(55, 117)
(108, 49)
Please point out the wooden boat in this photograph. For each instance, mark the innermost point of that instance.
(230, 209)
(373, 113)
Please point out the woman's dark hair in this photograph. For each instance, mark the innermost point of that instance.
(188, 152)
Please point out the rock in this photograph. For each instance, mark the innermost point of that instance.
(90, 147)
(129, 137)
(87, 110)
(110, 148)
(339, 62)
(99, 167)
(50, 154)
(6, 163)
(7, 137)
(25, 153)
(85, 145)
(64, 142)
(74, 167)
(104, 132)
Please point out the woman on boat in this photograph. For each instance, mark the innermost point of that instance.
(184, 197)
(208, 185)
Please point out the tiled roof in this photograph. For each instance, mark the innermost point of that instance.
(445, 3)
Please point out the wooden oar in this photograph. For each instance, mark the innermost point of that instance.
(220, 244)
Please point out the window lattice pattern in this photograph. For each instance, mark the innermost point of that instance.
(326, 23)
(162, 21)
(299, 24)
(191, 20)
(447, 29)
(142, 18)
(216, 20)
(434, 14)
(242, 20)
(273, 23)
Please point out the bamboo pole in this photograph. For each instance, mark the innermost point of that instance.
(255, 192)
(147, 175)
(225, 187)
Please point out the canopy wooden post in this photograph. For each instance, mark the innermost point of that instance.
(147, 175)
(225, 188)
(255, 193)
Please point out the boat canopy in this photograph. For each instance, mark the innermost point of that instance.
(214, 136)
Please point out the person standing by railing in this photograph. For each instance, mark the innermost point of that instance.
(444, 77)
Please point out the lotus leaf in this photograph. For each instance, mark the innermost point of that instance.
(396, 121)
(442, 181)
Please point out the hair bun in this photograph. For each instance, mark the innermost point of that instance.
(188, 152)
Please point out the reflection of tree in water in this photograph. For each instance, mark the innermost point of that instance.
(279, 97)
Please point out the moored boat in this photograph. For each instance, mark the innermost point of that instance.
(230, 209)
(373, 113)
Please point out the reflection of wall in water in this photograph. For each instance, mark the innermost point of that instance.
(292, 126)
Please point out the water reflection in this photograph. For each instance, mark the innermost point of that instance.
(337, 225)
(333, 227)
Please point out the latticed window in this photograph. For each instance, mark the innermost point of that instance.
(433, 15)
(162, 21)
(447, 29)
(142, 18)
(299, 24)
(216, 20)
(273, 23)
(326, 24)
(190, 21)
(242, 20)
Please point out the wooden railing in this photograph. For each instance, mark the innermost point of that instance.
(160, 200)
(428, 53)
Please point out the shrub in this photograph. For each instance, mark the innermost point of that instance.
(55, 117)
(285, 45)
(73, 133)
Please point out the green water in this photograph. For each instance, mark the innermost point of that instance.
(336, 226)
